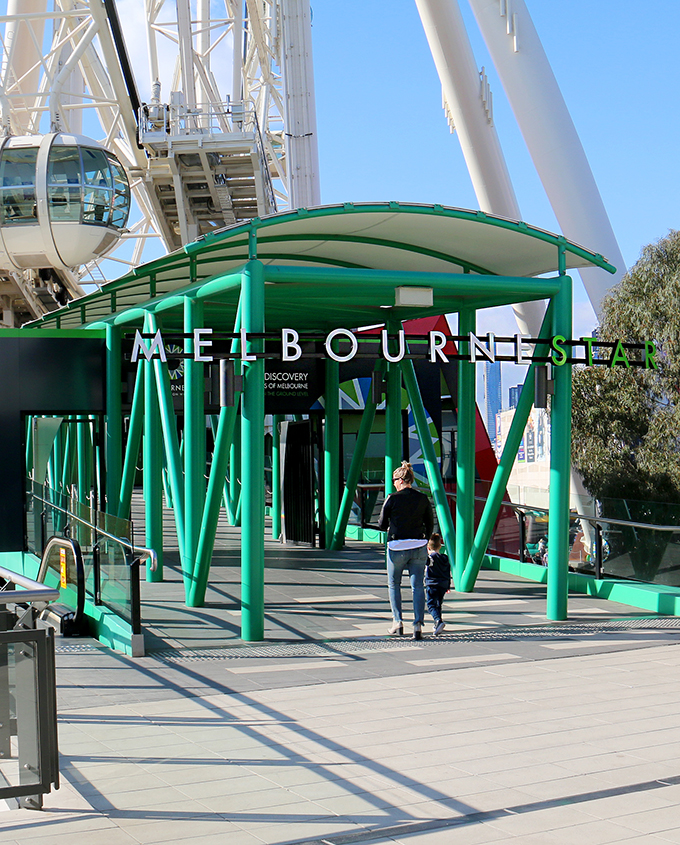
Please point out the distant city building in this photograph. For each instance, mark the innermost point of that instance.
(513, 394)
(493, 396)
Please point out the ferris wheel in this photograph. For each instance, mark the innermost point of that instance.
(98, 169)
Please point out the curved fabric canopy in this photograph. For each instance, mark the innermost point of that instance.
(394, 237)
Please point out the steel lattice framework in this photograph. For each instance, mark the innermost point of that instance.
(216, 151)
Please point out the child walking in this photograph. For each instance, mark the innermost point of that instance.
(437, 580)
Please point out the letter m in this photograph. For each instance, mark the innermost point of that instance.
(156, 345)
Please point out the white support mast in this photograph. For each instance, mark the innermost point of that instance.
(469, 108)
(302, 151)
(549, 134)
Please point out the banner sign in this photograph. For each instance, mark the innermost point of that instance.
(342, 345)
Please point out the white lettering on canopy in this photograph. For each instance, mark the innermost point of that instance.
(437, 343)
(199, 344)
(289, 340)
(344, 333)
(156, 345)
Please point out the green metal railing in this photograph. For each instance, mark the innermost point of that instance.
(110, 557)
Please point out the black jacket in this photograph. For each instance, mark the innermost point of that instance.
(407, 515)
(438, 571)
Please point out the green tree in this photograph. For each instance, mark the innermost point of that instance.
(626, 422)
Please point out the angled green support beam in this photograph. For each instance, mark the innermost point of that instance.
(133, 442)
(502, 474)
(152, 463)
(223, 429)
(465, 449)
(434, 475)
(277, 505)
(234, 491)
(331, 451)
(560, 465)
(206, 542)
(194, 436)
(354, 472)
(173, 461)
(252, 464)
(114, 418)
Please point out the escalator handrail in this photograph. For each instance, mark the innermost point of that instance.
(33, 591)
(80, 570)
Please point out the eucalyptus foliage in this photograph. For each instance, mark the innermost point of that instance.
(626, 422)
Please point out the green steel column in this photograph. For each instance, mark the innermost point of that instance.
(465, 448)
(500, 479)
(354, 472)
(252, 469)
(331, 448)
(114, 418)
(560, 464)
(276, 477)
(393, 445)
(194, 435)
(133, 443)
(152, 463)
(434, 475)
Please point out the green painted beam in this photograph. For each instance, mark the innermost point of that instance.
(389, 279)
(434, 475)
(393, 440)
(560, 465)
(132, 447)
(354, 473)
(173, 461)
(152, 463)
(211, 511)
(252, 469)
(332, 451)
(194, 438)
(502, 474)
(114, 418)
(223, 429)
(465, 449)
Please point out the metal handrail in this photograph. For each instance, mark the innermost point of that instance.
(33, 591)
(150, 553)
(572, 514)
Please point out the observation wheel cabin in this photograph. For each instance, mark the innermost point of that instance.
(64, 201)
(325, 271)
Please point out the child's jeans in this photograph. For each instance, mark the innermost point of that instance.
(435, 597)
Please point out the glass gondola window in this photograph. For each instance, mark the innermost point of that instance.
(17, 185)
(121, 199)
(63, 184)
(98, 196)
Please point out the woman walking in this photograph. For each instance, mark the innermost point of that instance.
(407, 517)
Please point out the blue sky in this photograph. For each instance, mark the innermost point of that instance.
(383, 135)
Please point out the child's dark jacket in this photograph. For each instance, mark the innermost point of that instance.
(438, 571)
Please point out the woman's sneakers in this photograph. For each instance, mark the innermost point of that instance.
(397, 629)
(438, 627)
(417, 631)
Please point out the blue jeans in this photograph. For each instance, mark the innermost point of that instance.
(415, 561)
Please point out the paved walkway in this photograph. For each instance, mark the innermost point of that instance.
(506, 729)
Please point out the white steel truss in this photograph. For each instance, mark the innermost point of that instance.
(215, 151)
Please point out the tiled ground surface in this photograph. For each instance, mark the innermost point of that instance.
(505, 730)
